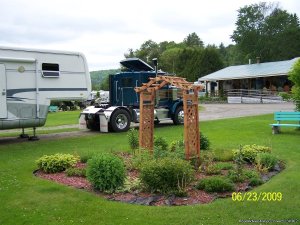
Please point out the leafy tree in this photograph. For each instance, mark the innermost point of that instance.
(148, 50)
(99, 78)
(183, 59)
(188, 63)
(166, 45)
(210, 61)
(194, 62)
(266, 31)
(169, 59)
(294, 76)
(222, 51)
(249, 29)
(230, 55)
(193, 40)
(105, 84)
(282, 33)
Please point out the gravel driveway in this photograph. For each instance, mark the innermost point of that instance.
(221, 111)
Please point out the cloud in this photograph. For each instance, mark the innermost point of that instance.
(105, 30)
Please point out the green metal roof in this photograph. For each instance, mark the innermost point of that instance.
(251, 71)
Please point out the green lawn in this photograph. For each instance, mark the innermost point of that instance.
(62, 118)
(53, 119)
(26, 199)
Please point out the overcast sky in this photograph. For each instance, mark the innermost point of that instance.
(105, 30)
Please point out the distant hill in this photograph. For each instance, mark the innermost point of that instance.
(97, 77)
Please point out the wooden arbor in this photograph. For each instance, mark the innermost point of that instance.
(190, 107)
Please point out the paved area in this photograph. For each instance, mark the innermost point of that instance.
(221, 111)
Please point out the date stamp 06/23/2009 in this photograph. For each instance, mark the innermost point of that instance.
(256, 196)
(264, 197)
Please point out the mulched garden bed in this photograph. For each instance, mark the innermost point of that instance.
(194, 196)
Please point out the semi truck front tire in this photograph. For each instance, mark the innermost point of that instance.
(120, 121)
(178, 116)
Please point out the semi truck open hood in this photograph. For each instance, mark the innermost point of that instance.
(135, 64)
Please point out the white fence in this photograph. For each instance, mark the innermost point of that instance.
(253, 96)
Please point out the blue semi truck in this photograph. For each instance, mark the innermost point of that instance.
(123, 105)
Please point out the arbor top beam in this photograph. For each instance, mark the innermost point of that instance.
(159, 81)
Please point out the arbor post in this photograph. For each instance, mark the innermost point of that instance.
(191, 125)
(146, 119)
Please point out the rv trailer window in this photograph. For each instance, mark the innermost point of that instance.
(50, 70)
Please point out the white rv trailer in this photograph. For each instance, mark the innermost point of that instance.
(30, 78)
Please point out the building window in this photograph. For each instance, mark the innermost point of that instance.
(50, 70)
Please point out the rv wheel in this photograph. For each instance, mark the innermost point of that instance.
(120, 121)
(178, 116)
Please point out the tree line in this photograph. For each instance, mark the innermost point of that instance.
(190, 58)
(99, 79)
(262, 30)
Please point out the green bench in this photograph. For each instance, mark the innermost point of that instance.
(53, 108)
(285, 116)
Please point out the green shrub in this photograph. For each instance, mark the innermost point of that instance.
(212, 169)
(133, 139)
(224, 166)
(166, 175)
(105, 172)
(176, 144)
(285, 96)
(255, 181)
(249, 152)
(140, 158)
(160, 142)
(177, 149)
(204, 142)
(56, 163)
(130, 185)
(294, 77)
(84, 157)
(159, 152)
(236, 176)
(249, 174)
(253, 177)
(206, 159)
(76, 172)
(223, 155)
(161, 149)
(215, 184)
(266, 160)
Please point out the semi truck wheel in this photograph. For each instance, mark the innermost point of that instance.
(178, 116)
(120, 121)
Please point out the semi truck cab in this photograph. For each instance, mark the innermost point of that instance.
(123, 105)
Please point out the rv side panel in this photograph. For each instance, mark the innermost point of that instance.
(3, 106)
(33, 78)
